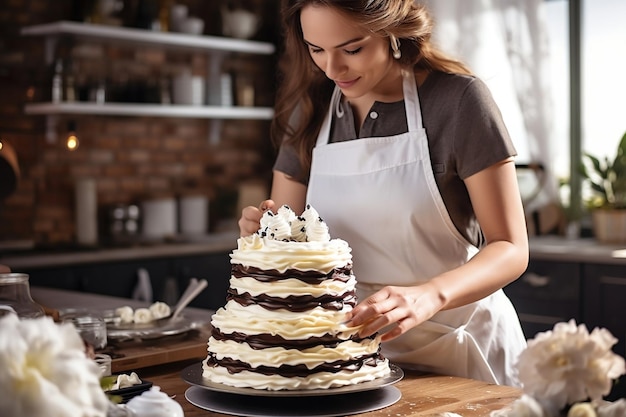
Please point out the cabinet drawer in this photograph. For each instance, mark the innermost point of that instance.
(547, 293)
(605, 306)
(551, 281)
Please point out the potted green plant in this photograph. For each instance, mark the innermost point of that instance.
(607, 205)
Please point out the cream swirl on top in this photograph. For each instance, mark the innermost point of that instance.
(271, 248)
(285, 225)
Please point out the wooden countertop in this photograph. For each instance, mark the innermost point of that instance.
(422, 394)
(162, 361)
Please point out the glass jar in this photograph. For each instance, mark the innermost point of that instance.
(15, 296)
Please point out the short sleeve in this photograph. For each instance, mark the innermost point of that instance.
(481, 138)
(288, 163)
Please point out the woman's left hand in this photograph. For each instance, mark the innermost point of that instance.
(396, 308)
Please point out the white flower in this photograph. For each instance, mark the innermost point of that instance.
(159, 310)
(45, 371)
(525, 406)
(142, 315)
(582, 410)
(126, 314)
(568, 365)
(615, 409)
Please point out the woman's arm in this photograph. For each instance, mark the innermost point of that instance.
(285, 190)
(497, 204)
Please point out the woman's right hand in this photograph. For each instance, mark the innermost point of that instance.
(250, 220)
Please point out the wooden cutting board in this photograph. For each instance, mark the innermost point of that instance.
(134, 355)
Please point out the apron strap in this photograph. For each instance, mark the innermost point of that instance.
(411, 107)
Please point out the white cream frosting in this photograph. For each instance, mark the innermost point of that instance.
(160, 310)
(254, 319)
(285, 225)
(142, 315)
(258, 252)
(319, 380)
(292, 286)
(275, 356)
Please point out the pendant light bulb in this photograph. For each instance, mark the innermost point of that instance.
(72, 141)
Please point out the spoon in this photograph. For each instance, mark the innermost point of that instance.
(194, 288)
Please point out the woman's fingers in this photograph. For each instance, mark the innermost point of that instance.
(393, 310)
(266, 205)
(251, 217)
(249, 221)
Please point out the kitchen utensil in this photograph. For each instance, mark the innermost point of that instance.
(9, 170)
(194, 288)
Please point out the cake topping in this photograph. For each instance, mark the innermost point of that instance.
(285, 225)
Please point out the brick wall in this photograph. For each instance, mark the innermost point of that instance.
(132, 158)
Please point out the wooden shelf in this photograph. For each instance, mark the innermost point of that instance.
(155, 110)
(148, 37)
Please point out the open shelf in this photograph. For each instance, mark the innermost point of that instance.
(149, 37)
(156, 110)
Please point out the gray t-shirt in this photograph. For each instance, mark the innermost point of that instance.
(465, 130)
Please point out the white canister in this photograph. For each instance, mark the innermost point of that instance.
(159, 218)
(188, 89)
(86, 211)
(193, 214)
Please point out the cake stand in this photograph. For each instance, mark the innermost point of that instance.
(249, 402)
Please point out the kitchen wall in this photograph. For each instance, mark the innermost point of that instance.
(132, 158)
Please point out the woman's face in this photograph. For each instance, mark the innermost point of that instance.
(359, 63)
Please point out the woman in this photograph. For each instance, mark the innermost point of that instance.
(422, 186)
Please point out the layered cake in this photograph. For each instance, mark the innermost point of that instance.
(282, 327)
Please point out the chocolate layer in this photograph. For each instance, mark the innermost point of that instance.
(266, 340)
(310, 277)
(293, 303)
(290, 371)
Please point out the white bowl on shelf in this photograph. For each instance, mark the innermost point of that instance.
(192, 26)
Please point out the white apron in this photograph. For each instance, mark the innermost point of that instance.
(379, 194)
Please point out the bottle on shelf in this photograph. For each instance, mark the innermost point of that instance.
(57, 82)
(69, 86)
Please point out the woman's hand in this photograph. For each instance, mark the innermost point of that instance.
(400, 308)
(251, 217)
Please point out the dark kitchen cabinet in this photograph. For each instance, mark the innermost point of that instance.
(592, 293)
(605, 305)
(605, 300)
(547, 293)
(119, 278)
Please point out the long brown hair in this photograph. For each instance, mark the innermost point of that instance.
(303, 86)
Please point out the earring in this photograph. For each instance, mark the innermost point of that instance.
(395, 46)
